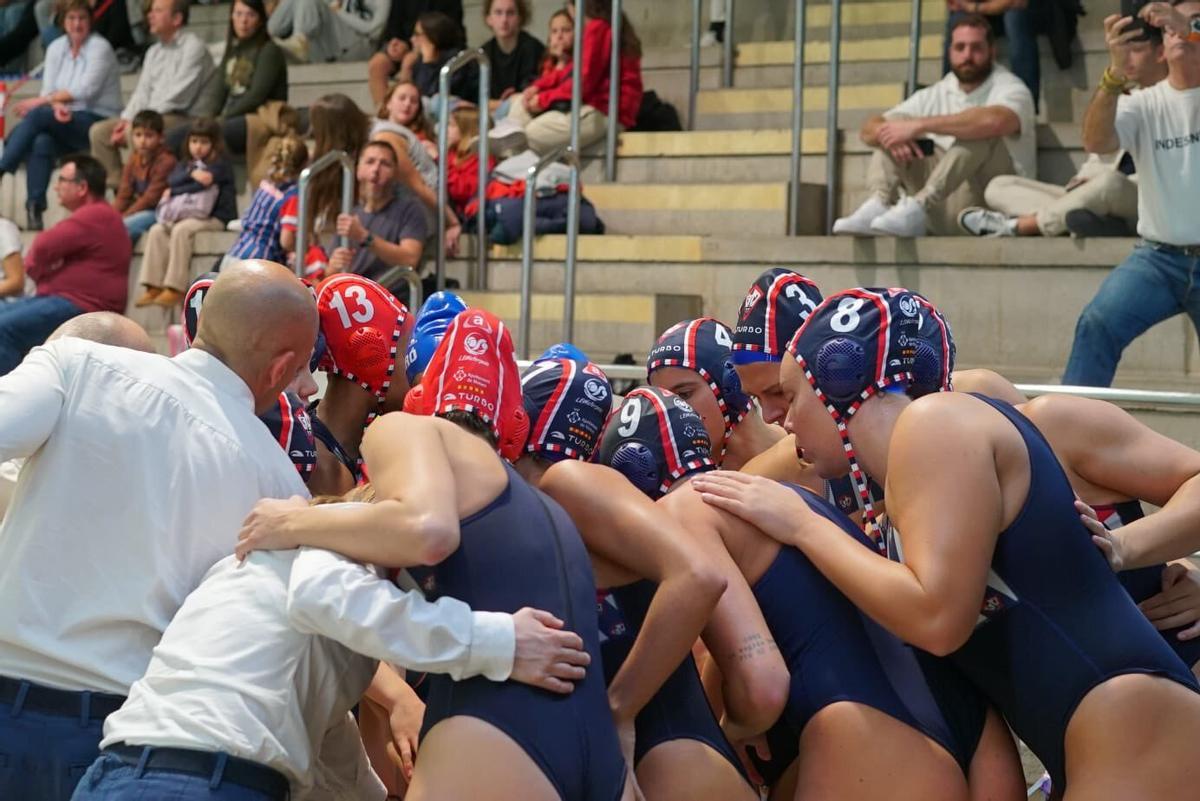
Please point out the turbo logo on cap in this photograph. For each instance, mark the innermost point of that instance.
(568, 403)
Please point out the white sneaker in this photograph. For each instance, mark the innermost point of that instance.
(506, 138)
(905, 219)
(978, 221)
(859, 223)
(295, 47)
(709, 39)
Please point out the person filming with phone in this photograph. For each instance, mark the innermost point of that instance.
(1160, 127)
(943, 144)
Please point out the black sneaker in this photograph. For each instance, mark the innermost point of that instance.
(1089, 224)
(33, 218)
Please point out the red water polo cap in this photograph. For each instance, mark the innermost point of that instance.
(363, 324)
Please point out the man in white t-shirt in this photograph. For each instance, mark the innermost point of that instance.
(1160, 127)
(13, 281)
(977, 122)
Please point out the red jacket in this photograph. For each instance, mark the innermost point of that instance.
(85, 259)
(462, 177)
(597, 51)
(552, 75)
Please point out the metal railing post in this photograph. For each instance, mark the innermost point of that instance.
(485, 80)
(914, 46)
(614, 96)
(727, 67)
(831, 125)
(306, 176)
(797, 120)
(694, 76)
(523, 332)
(574, 193)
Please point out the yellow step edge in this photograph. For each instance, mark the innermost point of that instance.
(612, 247)
(719, 143)
(758, 101)
(630, 309)
(892, 48)
(854, 14)
(689, 197)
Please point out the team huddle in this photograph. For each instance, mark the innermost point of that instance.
(808, 558)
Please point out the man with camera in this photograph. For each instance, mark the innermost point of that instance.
(1160, 127)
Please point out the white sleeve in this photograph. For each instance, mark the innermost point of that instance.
(32, 396)
(1128, 121)
(334, 597)
(918, 104)
(10, 240)
(1015, 96)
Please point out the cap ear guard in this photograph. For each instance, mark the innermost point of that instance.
(841, 369)
(636, 462)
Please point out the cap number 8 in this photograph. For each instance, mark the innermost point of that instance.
(846, 318)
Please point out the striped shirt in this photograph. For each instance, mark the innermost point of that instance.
(263, 221)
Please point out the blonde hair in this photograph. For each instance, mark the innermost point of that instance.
(419, 124)
(467, 120)
(288, 158)
(363, 493)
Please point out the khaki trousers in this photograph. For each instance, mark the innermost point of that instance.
(944, 183)
(109, 155)
(551, 130)
(1109, 194)
(167, 260)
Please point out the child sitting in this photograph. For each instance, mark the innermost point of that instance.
(145, 175)
(200, 196)
(262, 224)
(462, 160)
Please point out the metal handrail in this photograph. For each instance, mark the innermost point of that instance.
(831, 124)
(485, 82)
(914, 46)
(574, 193)
(727, 65)
(694, 69)
(306, 176)
(402, 272)
(797, 120)
(614, 96)
(571, 157)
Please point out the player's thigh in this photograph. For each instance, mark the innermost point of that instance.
(464, 757)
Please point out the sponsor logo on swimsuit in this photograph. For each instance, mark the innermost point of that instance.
(475, 344)
(478, 321)
(752, 299)
(908, 305)
(595, 389)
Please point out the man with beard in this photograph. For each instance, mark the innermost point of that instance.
(387, 227)
(974, 124)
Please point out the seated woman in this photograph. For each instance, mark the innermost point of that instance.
(80, 85)
(253, 72)
(490, 540)
(437, 39)
(401, 122)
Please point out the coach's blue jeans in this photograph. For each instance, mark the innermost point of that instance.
(43, 756)
(24, 324)
(1152, 284)
(111, 779)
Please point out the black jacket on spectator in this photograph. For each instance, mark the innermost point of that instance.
(403, 17)
(464, 83)
(252, 72)
(181, 182)
(517, 69)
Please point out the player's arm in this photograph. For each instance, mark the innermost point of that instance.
(987, 382)
(623, 526)
(1108, 447)
(779, 462)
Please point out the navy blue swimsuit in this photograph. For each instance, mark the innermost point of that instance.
(680, 709)
(523, 550)
(835, 653)
(1055, 621)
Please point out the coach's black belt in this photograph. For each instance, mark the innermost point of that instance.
(206, 764)
(1191, 251)
(27, 696)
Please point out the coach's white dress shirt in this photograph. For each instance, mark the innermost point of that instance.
(139, 472)
(265, 659)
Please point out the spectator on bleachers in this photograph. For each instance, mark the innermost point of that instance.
(974, 124)
(173, 73)
(397, 39)
(80, 86)
(1016, 19)
(545, 113)
(1160, 127)
(262, 225)
(318, 31)
(1100, 200)
(41, 17)
(200, 196)
(144, 178)
(401, 122)
(462, 159)
(387, 228)
(253, 72)
(436, 39)
(507, 136)
(13, 283)
(515, 56)
(80, 265)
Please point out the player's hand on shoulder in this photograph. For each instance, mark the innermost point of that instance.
(546, 656)
(768, 505)
(266, 529)
(1179, 602)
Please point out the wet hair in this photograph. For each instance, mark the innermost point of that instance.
(288, 158)
(419, 124)
(150, 120)
(442, 32)
(474, 424)
(204, 128)
(467, 120)
(973, 21)
(631, 45)
(335, 123)
(524, 12)
(363, 493)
